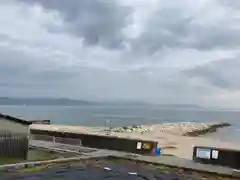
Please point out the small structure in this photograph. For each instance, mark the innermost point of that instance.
(14, 137)
(40, 121)
(217, 156)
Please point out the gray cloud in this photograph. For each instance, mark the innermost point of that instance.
(19, 68)
(101, 22)
(233, 4)
(216, 37)
(177, 27)
(170, 52)
(97, 21)
(166, 28)
(224, 73)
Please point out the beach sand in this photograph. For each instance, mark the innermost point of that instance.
(171, 138)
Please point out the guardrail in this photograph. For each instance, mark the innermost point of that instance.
(40, 121)
(53, 139)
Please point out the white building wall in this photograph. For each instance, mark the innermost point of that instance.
(13, 127)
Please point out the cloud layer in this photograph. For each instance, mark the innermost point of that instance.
(152, 50)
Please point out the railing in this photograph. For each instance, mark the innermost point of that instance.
(61, 140)
(40, 121)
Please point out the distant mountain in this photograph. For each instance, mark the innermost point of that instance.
(43, 101)
(179, 106)
(74, 102)
(126, 103)
(63, 102)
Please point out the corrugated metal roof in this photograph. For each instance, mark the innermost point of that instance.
(17, 120)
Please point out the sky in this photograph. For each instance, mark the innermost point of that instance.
(160, 51)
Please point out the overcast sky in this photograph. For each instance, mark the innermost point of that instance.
(163, 51)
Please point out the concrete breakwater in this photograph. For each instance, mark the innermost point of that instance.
(211, 128)
(184, 129)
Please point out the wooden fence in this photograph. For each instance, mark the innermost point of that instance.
(13, 146)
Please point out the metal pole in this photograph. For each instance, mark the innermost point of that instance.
(107, 126)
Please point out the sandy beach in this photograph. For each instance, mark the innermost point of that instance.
(173, 138)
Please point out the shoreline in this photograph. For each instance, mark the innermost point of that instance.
(171, 137)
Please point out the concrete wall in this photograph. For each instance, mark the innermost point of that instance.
(217, 156)
(13, 127)
(101, 142)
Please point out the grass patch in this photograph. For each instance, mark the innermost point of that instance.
(9, 160)
(33, 155)
(117, 161)
(163, 168)
(40, 155)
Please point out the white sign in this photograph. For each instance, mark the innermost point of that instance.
(203, 153)
(139, 145)
(215, 154)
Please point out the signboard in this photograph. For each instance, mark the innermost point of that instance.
(146, 145)
(203, 153)
(215, 154)
(139, 145)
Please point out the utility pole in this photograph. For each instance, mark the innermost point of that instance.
(107, 127)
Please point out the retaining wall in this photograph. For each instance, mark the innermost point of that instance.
(105, 142)
(217, 156)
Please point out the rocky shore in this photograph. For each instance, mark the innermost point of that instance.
(183, 129)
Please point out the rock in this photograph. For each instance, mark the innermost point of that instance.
(107, 169)
(206, 129)
(186, 128)
(133, 173)
(236, 173)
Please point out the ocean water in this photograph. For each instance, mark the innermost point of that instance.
(127, 115)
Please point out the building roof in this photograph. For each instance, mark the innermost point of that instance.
(16, 120)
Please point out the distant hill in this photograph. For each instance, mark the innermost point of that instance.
(63, 102)
(42, 101)
(179, 106)
(74, 102)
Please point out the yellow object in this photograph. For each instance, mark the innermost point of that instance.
(146, 146)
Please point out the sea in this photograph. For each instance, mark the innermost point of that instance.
(128, 115)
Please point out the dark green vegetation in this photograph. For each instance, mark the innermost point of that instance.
(36, 155)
